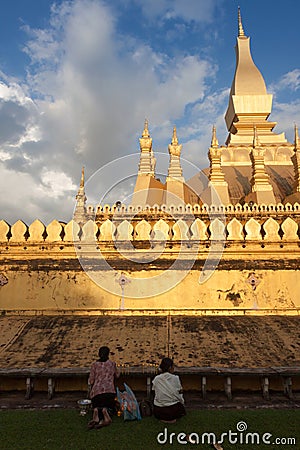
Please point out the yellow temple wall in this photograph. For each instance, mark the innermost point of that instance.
(226, 292)
(250, 258)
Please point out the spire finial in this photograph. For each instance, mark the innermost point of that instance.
(174, 138)
(214, 140)
(82, 178)
(146, 130)
(241, 29)
(256, 142)
(296, 139)
(174, 148)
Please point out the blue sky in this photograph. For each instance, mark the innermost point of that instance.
(78, 78)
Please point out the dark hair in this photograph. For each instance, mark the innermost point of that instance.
(103, 353)
(166, 364)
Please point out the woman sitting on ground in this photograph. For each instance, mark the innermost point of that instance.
(168, 400)
(103, 393)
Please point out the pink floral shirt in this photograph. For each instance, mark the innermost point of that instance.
(102, 377)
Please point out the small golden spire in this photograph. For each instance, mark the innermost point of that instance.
(214, 140)
(82, 178)
(296, 139)
(256, 142)
(146, 130)
(174, 138)
(241, 29)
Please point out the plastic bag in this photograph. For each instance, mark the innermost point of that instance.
(128, 403)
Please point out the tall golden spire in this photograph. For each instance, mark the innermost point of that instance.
(218, 187)
(296, 139)
(296, 163)
(249, 102)
(256, 142)
(241, 32)
(80, 209)
(175, 169)
(147, 160)
(82, 178)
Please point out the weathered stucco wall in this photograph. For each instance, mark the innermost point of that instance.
(238, 261)
(225, 290)
(235, 260)
(56, 341)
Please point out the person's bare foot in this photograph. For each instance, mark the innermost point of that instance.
(107, 418)
(95, 415)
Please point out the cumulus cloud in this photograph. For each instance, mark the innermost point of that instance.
(286, 113)
(87, 93)
(290, 80)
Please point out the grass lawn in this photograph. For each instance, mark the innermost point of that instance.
(66, 429)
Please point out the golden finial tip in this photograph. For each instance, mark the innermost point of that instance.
(82, 177)
(146, 129)
(214, 140)
(174, 138)
(241, 32)
(296, 140)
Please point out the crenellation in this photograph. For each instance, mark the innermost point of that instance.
(199, 230)
(143, 230)
(18, 232)
(296, 206)
(89, 231)
(290, 230)
(253, 230)
(180, 231)
(217, 230)
(4, 231)
(54, 231)
(235, 230)
(161, 230)
(36, 231)
(271, 229)
(124, 231)
(71, 231)
(107, 230)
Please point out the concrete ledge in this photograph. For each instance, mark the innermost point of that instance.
(281, 379)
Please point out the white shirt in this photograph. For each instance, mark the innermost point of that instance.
(167, 387)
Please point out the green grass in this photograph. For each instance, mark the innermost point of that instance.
(66, 429)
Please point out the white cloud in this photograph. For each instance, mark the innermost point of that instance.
(290, 80)
(286, 113)
(22, 197)
(87, 93)
(187, 10)
(56, 183)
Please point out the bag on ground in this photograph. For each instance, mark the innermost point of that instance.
(128, 403)
(145, 408)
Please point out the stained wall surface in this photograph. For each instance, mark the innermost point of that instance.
(244, 260)
(73, 342)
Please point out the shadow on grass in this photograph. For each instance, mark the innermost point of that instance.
(66, 429)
